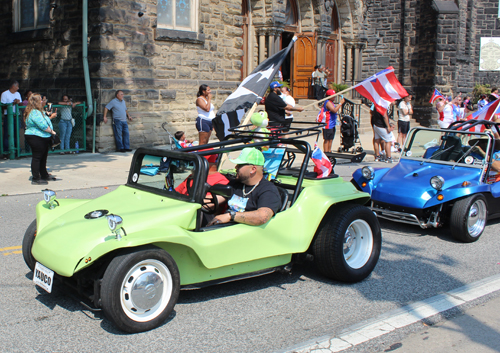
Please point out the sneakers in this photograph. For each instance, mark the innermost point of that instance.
(388, 160)
(380, 158)
(50, 178)
(39, 182)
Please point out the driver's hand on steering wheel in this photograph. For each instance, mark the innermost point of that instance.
(222, 218)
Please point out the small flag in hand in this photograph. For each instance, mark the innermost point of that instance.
(436, 95)
(322, 165)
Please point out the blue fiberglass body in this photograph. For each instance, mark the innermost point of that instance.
(407, 183)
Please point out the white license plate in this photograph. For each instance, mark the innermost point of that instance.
(43, 277)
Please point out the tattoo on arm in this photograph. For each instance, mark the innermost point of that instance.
(255, 218)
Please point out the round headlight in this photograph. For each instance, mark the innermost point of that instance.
(49, 195)
(114, 222)
(437, 182)
(368, 173)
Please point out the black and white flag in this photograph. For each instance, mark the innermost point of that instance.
(250, 91)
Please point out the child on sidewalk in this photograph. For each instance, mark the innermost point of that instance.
(181, 137)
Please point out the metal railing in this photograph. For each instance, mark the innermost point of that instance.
(13, 143)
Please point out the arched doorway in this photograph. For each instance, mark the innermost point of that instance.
(332, 47)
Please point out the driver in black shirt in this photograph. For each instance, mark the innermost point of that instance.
(255, 200)
(276, 107)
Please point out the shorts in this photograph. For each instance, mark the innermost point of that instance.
(203, 125)
(329, 134)
(403, 127)
(382, 134)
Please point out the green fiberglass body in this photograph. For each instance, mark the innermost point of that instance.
(131, 250)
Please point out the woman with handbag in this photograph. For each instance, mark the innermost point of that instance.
(66, 123)
(38, 134)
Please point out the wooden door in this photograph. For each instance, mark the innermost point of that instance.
(331, 59)
(304, 60)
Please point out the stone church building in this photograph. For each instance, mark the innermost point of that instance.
(159, 51)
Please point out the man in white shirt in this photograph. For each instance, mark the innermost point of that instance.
(10, 96)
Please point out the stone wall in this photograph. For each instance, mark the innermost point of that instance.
(48, 61)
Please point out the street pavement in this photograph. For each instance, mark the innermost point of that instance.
(471, 326)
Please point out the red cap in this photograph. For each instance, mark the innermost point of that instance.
(330, 92)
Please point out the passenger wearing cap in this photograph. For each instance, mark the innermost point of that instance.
(328, 116)
(276, 108)
(214, 177)
(255, 200)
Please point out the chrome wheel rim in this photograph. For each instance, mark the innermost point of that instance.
(146, 290)
(476, 219)
(358, 244)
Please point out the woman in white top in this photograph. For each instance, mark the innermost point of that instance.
(405, 111)
(205, 114)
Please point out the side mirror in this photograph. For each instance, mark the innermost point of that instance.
(222, 190)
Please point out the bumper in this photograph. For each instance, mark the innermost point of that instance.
(408, 218)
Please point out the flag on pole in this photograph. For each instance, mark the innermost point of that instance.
(485, 113)
(322, 165)
(382, 89)
(435, 96)
(250, 91)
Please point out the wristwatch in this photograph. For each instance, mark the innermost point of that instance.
(233, 214)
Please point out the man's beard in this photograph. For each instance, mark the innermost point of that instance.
(242, 178)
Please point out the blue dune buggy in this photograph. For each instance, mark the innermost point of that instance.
(444, 178)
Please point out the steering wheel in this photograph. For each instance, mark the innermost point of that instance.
(210, 203)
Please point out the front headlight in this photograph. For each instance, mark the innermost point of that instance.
(115, 224)
(368, 173)
(437, 182)
(50, 198)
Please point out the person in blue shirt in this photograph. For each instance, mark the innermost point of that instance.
(38, 132)
(120, 126)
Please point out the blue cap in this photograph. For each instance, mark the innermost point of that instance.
(275, 84)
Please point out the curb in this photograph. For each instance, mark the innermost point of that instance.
(399, 318)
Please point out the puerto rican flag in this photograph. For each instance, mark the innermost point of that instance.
(486, 113)
(435, 96)
(382, 89)
(322, 165)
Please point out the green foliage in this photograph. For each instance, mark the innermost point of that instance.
(285, 83)
(338, 87)
(478, 90)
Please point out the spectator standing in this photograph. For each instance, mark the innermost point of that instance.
(206, 113)
(482, 101)
(382, 135)
(318, 77)
(405, 111)
(328, 116)
(451, 112)
(288, 99)
(66, 123)
(276, 107)
(38, 132)
(27, 97)
(10, 96)
(118, 107)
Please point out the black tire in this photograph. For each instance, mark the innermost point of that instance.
(364, 250)
(468, 218)
(29, 238)
(151, 302)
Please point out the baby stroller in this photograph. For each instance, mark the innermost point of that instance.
(349, 134)
(173, 141)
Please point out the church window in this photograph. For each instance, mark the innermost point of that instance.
(178, 14)
(31, 14)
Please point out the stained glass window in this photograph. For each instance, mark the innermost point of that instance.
(177, 14)
(31, 14)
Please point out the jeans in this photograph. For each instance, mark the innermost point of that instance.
(65, 129)
(120, 128)
(40, 151)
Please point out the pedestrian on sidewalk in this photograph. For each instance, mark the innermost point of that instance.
(382, 135)
(289, 100)
(451, 112)
(38, 132)
(206, 114)
(405, 111)
(328, 116)
(10, 96)
(318, 77)
(276, 107)
(66, 123)
(118, 107)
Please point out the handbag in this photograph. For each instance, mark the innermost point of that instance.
(54, 141)
(73, 122)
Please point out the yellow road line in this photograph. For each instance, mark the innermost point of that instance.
(11, 248)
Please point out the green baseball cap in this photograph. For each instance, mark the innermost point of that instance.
(250, 155)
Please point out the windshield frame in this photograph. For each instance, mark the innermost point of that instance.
(413, 133)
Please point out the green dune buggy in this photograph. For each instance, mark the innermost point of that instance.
(130, 251)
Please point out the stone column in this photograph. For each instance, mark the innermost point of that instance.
(270, 44)
(262, 46)
(348, 62)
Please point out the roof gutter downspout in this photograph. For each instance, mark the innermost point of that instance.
(85, 26)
